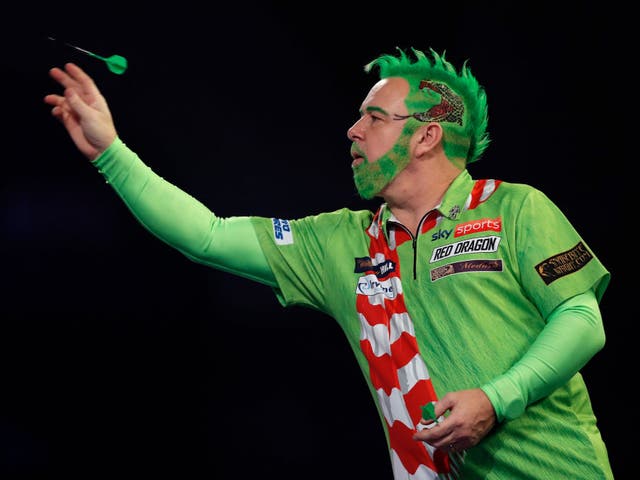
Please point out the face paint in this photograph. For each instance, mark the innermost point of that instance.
(371, 177)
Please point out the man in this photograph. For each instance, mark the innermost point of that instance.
(470, 305)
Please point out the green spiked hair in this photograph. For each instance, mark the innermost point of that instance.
(437, 92)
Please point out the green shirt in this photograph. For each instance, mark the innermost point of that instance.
(478, 283)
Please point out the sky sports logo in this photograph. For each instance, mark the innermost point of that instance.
(480, 225)
(282, 231)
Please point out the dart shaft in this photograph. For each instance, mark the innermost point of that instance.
(83, 50)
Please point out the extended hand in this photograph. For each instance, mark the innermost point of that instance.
(82, 110)
(471, 418)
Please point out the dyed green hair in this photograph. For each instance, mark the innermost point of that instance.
(464, 138)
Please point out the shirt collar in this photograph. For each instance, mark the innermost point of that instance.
(456, 197)
(453, 202)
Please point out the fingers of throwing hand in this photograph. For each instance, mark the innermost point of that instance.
(74, 77)
(62, 77)
(57, 102)
(84, 82)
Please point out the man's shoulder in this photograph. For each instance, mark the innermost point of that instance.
(502, 195)
(338, 219)
(347, 212)
(342, 216)
(517, 189)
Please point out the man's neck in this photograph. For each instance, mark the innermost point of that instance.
(412, 194)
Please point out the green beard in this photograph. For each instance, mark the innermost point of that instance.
(371, 177)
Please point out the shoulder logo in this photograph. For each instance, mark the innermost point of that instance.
(282, 233)
(564, 263)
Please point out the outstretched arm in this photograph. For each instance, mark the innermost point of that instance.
(168, 212)
(180, 220)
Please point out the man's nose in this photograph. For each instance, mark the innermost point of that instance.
(354, 132)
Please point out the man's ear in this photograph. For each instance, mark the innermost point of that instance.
(429, 136)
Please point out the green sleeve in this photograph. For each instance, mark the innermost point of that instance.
(572, 335)
(181, 221)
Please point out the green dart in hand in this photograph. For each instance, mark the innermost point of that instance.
(115, 63)
(429, 412)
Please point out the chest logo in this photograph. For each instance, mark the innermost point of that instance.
(381, 270)
(471, 245)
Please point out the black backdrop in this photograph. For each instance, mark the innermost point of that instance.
(118, 355)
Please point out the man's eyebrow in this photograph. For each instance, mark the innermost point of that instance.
(376, 109)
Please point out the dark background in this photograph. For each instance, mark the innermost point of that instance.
(120, 356)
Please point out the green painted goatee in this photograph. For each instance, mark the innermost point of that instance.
(371, 177)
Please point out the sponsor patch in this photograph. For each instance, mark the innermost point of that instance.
(370, 286)
(442, 233)
(480, 225)
(365, 264)
(488, 265)
(472, 245)
(564, 263)
(282, 231)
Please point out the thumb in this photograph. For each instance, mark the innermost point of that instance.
(442, 405)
